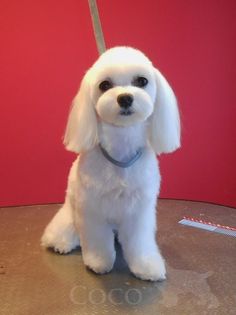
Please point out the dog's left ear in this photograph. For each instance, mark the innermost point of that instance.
(81, 129)
(164, 132)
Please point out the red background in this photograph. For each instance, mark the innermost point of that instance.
(47, 45)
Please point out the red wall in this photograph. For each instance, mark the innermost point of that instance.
(47, 45)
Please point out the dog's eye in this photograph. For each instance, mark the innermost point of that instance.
(105, 85)
(140, 82)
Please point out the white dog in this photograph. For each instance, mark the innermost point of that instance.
(123, 115)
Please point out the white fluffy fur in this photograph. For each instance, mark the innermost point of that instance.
(101, 197)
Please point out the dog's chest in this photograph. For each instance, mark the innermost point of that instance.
(103, 178)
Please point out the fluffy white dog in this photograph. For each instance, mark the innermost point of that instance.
(123, 115)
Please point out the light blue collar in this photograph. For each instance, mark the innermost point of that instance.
(121, 164)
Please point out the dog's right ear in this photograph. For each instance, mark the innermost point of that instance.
(81, 129)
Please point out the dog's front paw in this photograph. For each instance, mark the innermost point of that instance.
(99, 264)
(149, 268)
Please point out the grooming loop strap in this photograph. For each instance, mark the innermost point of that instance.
(118, 163)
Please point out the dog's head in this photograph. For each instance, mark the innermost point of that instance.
(123, 88)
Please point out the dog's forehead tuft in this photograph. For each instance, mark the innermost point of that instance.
(122, 55)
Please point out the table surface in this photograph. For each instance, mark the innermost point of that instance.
(201, 268)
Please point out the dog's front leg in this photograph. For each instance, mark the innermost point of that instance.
(137, 237)
(97, 242)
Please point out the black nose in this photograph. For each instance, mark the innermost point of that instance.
(125, 100)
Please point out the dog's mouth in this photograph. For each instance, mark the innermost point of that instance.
(126, 112)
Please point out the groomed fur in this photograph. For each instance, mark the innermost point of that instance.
(101, 197)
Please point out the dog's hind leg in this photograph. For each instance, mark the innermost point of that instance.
(60, 234)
